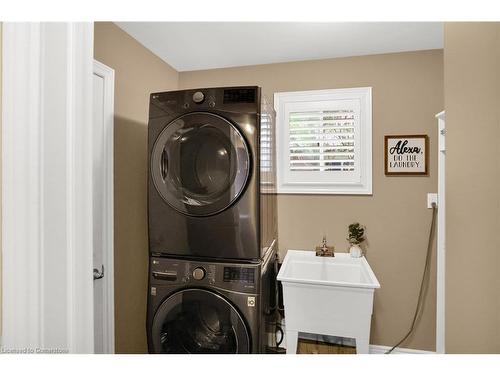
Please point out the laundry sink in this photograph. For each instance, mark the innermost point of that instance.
(328, 296)
(342, 270)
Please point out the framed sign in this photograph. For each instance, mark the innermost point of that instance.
(406, 155)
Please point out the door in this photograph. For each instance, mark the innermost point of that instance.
(200, 164)
(102, 172)
(199, 321)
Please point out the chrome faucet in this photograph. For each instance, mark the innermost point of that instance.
(324, 250)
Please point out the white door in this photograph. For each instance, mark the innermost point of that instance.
(103, 82)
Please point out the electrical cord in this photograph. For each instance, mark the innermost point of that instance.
(424, 276)
(282, 334)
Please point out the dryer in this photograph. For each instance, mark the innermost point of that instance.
(211, 307)
(209, 195)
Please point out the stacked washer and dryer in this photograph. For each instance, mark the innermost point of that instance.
(212, 221)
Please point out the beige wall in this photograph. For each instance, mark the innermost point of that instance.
(137, 73)
(472, 100)
(407, 93)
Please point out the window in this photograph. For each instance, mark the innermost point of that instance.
(324, 141)
(266, 139)
(267, 148)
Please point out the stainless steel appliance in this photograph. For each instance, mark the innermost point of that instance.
(211, 174)
(211, 307)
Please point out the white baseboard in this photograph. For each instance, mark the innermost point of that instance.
(381, 349)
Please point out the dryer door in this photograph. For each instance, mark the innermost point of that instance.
(200, 164)
(199, 321)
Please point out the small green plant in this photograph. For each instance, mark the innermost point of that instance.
(356, 234)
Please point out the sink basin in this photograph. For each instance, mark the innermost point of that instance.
(341, 270)
(327, 296)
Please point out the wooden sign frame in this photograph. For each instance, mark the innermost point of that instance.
(425, 137)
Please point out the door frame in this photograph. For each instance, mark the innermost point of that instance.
(47, 290)
(108, 75)
(441, 239)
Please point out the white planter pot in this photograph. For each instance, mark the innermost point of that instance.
(355, 251)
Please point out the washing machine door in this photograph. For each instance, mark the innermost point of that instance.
(199, 321)
(200, 164)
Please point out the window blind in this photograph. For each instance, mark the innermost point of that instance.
(322, 140)
(265, 148)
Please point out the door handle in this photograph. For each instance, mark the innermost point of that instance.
(163, 164)
(99, 275)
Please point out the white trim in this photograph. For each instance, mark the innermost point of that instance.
(363, 185)
(79, 168)
(381, 349)
(108, 75)
(441, 238)
(46, 182)
(22, 282)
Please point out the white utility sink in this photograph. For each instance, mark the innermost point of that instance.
(327, 295)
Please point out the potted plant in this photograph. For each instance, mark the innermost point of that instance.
(356, 236)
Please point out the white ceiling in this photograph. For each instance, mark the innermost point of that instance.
(207, 45)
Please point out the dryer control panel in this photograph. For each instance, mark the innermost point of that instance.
(245, 99)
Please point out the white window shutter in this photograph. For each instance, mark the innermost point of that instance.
(324, 141)
(265, 143)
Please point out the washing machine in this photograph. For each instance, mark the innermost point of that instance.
(211, 307)
(211, 184)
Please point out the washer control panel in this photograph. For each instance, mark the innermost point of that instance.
(229, 276)
(239, 274)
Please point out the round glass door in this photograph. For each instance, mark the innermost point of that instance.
(200, 164)
(199, 321)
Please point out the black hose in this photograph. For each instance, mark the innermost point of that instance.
(424, 276)
(278, 328)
